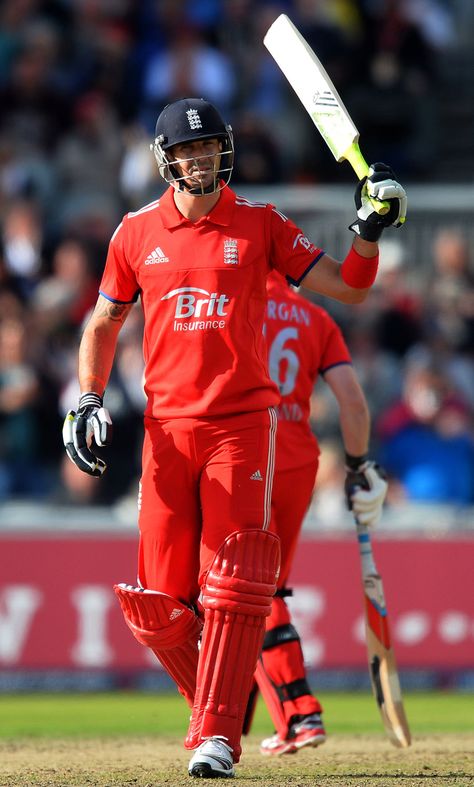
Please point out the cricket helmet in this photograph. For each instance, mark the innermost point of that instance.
(188, 120)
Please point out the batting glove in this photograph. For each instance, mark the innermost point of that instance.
(380, 185)
(366, 488)
(92, 422)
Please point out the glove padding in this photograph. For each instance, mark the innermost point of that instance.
(366, 488)
(92, 422)
(381, 185)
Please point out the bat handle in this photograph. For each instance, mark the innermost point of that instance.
(358, 163)
(365, 550)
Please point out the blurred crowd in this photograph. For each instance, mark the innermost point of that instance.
(81, 85)
(413, 349)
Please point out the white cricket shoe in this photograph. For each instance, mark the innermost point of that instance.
(212, 759)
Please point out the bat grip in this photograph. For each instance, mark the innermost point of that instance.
(358, 163)
(365, 550)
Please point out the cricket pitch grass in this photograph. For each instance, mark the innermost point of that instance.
(131, 740)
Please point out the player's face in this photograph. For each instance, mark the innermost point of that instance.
(197, 161)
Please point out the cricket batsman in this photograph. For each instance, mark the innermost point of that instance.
(198, 259)
(305, 343)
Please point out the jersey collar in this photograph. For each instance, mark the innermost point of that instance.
(220, 214)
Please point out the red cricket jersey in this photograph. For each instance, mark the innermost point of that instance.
(203, 290)
(303, 342)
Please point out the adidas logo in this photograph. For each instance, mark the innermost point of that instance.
(257, 476)
(156, 257)
(176, 613)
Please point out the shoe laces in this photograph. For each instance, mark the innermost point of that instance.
(218, 739)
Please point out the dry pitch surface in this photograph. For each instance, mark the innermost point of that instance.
(343, 761)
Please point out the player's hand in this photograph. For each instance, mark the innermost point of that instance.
(366, 488)
(381, 185)
(91, 423)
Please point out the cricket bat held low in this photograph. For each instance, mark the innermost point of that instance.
(382, 665)
(315, 90)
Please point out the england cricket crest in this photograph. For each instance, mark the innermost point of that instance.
(193, 119)
(231, 252)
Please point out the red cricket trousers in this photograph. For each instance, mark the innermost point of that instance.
(202, 479)
(292, 492)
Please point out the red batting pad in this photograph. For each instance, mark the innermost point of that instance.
(169, 628)
(236, 598)
(280, 666)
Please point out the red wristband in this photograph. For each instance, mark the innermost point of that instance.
(359, 272)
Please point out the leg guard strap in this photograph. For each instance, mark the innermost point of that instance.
(279, 635)
(294, 690)
(281, 674)
(169, 628)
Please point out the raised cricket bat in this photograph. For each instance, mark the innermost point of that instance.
(314, 88)
(382, 666)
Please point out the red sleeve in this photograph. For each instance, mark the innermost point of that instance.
(334, 350)
(118, 283)
(292, 253)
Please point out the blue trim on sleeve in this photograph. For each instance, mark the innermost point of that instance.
(297, 282)
(333, 366)
(115, 300)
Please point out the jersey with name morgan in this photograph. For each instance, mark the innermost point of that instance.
(304, 342)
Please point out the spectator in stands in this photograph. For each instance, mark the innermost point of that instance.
(398, 80)
(137, 174)
(88, 164)
(397, 305)
(63, 299)
(21, 473)
(448, 311)
(257, 159)
(426, 441)
(188, 66)
(74, 146)
(35, 111)
(451, 289)
(22, 245)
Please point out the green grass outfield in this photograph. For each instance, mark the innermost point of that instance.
(134, 714)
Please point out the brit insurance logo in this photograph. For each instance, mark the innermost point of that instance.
(302, 240)
(196, 309)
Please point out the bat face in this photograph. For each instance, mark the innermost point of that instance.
(315, 90)
(312, 85)
(382, 666)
